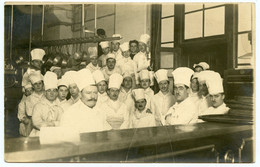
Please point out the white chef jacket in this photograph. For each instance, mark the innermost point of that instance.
(102, 98)
(92, 68)
(107, 72)
(149, 93)
(204, 103)
(21, 109)
(118, 54)
(70, 102)
(142, 119)
(63, 104)
(83, 119)
(222, 109)
(44, 112)
(116, 114)
(141, 60)
(160, 105)
(31, 100)
(194, 97)
(185, 112)
(127, 99)
(103, 60)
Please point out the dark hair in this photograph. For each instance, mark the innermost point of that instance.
(133, 41)
(62, 86)
(101, 31)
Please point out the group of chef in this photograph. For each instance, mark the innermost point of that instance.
(114, 92)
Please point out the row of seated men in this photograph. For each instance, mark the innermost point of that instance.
(104, 100)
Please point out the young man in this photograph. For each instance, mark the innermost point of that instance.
(111, 67)
(127, 64)
(93, 65)
(101, 86)
(217, 96)
(194, 87)
(106, 49)
(145, 83)
(62, 93)
(142, 116)
(184, 111)
(142, 58)
(202, 66)
(116, 112)
(115, 47)
(134, 48)
(83, 116)
(47, 113)
(163, 100)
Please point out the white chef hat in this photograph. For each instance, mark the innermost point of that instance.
(92, 52)
(36, 76)
(70, 77)
(126, 74)
(115, 81)
(125, 46)
(111, 56)
(144, 74)
(195, 75)
(116, 35)
(104, 44)
(26, 83)
(215, 85)
(144, 38)
(161, 75)
(62, 82)
(204, 65)
(98, 76)
(37, 54)
(55, 68)
(138, 94)
(84, 78)
(50, 80)
(182, 75)
(203, 76)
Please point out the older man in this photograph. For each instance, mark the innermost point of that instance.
(111, 67)
(116, 112)
(184, 111)
(47, 113)
(106, 49)
(163, 100)
(93, 65)
(83, 116)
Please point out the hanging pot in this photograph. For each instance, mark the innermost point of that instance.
(57, 61)
(64, 62)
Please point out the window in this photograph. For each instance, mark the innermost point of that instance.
(204, 20)
(244, 38)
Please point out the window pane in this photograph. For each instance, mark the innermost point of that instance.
(244, 16)
(89, 12)
(105, 9)
(215, 21)
(166, 60)
(167, 29)
(192, 7)
(193, 25)
(167, 45)
(167, 10)
(107, 22)
(207, 5)
(244, 50)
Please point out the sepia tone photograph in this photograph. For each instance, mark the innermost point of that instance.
(129, 82)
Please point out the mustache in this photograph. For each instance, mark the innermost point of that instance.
(92, 99)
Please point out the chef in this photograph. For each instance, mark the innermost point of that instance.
(106, 49)
(116, 112)
(202, 66)
(194, 87)
(82, 116)
(115, 47)
(56, 70)
(217, 96)
(142, 116)
(145, 83)
(101, 84)
(47, 113)
(134, 48)
(111, 66)
(163, 100)
(93, 65)
(142, 58)
(24, 127)
(62, 93)
(184, 111)
(127, 64)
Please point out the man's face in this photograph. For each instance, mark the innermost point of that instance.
(115, 46)
(28, 91)
(89, 96)
(74, 90)
(113, 93)
(217, 99)
(94, 60)
(142, 47)
(106, 50)
(127, 82)
(111, 63)
(38, 86)
(133, 48)
(203, 89)
(62, 92)
(164, 86)
(37, 64)
(126, 54)
(140, 104)
(194, 84)
(102, 87)
(180, 92)
(58, 72)
(145, 83)
(51, 94)
(198, 69)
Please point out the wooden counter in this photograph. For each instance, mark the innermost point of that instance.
(181, 143)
